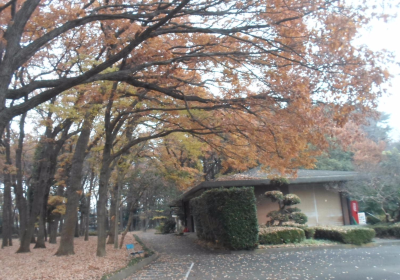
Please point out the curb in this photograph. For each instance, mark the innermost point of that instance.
(128, 271)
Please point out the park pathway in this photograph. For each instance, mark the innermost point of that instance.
(182, 259)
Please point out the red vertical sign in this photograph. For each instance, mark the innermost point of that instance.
(354, 211)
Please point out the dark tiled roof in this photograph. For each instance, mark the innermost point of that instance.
(257, 177)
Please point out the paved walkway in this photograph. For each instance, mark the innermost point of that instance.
(181, 258)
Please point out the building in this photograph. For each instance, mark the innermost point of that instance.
(317, 189)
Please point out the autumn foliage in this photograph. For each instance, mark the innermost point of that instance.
(176, 85)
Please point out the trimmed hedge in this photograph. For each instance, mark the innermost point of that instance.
(280, 235)
(387, 231)
(227, 217)
(347, 235)
(309, 231)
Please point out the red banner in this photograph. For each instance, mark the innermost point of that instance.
(354, 211)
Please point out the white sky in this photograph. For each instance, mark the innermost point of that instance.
(386, 36)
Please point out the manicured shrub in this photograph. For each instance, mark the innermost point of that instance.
(347, 235)
(167, 227)
(396, 230)
(299, 218)
(387, 231)
(309, 231)
(280, 235)
(382, 231)
(227, 217)
(285, 212)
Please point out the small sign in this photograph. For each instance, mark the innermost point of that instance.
(361, 218)
(174, 216)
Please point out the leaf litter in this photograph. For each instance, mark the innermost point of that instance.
(43, 264)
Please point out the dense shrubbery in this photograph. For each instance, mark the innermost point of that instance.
(347, 235)
(166, 227)
(280, 235)
(387, 231)
(227, 217)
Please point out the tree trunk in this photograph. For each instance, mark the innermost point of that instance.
(7, 223)
(88, 205)
(53, 226)
(74, 190)
(130, 219)
(111, 230)
(40, 237)
(119, 185)
(18, 189)
(82, 225)
(76, 234)
(7, 199)
(42, 178)
(42, 234)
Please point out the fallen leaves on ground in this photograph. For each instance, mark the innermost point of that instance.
(43, 264)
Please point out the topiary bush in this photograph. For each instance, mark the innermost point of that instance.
(285, 213)
(227, 217)
(280, 235)
(347, 235)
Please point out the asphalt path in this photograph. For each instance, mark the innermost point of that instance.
(182, 258)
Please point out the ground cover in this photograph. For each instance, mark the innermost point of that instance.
(43, 264)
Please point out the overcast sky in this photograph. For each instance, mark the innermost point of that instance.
(386, 36)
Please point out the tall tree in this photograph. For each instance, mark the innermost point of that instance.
(7, 200)
(18, 188)
(74, 190)
(42, 178)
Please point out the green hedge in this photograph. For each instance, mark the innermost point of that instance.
(309, 231)
(387, 231)
(280, 235)
(227, 217)
(347, 235)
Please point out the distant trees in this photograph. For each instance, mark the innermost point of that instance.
(379, 191)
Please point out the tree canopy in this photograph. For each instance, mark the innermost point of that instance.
(179, 85)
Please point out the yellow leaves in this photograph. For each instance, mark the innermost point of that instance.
(58, 203)
(155, 218)
(56, 199)
(60, 209)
